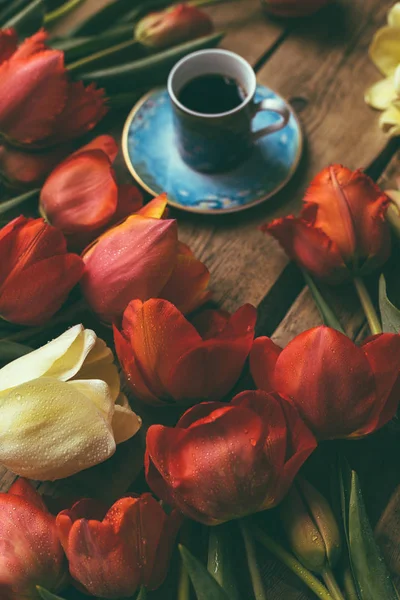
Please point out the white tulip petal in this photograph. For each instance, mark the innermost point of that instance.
(98, 392)
(50, 430)
(390, 120)
(61, 358)
(106, 371)
(99, 353)
(381, 94)
(125, 422)
(394, 15)
(385, 50)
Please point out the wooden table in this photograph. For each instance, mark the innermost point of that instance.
(321, 66)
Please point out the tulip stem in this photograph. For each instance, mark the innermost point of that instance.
(258, 587)
(293, 564)
(63, 10)
(369, 309)
(332, 584)
(328, 316)
(349, 585)
(184, 583)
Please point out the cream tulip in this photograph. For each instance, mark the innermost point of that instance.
(61, 408)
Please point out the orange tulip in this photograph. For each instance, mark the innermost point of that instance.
(36, 272)
(30, 551)
(294, 8)
(81, 196)
(225, 461)
(111, 554)
(342, 229)
(173, 26)
(340, 390)
(142, 258)
(167, 360)
(39, 107)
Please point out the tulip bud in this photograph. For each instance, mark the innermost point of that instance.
(173, 26)
(311, 527)
(293, 8)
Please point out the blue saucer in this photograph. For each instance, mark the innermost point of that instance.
(152, 157)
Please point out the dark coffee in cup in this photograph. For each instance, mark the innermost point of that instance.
(212, 94)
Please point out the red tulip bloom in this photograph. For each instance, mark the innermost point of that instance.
(342, 228)
(340, 390)
(111, 554)
(22, 169)
(81, 196)
(173, 26)
(36, 272)
(142, 258)
(226, 461)
(30, 551)
(167, 360)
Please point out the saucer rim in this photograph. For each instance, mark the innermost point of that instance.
(209, 211)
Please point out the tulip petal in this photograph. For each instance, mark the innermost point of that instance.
(104, 370)
(84, 108)
(394, 15)
(329, 380)
(130, 200)
(33, 93)
(210, 370)
(156, 208)
(224, 435)
(389, 121)
(160, 335)
(385, 50)
(73, 433)
(125, 423)
(263, 356)
(21, 487)
(210, 323)
(133, 260)
(8, 44)
(133, 375)
(30, 552)
(96, 391)
(381, 94)
(165, 549)
(187, 286)
(309, 246)
(105, 143)
(383, 354)
(47, 285)
(81, 193)
(61, 359)
(29, 169)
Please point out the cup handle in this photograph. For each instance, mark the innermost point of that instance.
(275, 105)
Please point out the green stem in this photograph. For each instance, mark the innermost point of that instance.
(327, 314)
(258, 587)
(142, 593)
(61, 11)
(205, 2)
(293, 564)
(184, 584)
(332, 584)
(393, 215)
(219, 559)
(14, 202)
(88, 60)
(349, 585)
(369, 309)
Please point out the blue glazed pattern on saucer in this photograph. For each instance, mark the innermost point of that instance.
(152, 157)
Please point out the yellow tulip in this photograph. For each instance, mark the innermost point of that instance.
(385, 54)
(61, 408)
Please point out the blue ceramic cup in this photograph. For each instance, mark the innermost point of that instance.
(217, 142)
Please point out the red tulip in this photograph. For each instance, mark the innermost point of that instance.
(294, 8)
(81, 196)
(173, 26)
(30, 551)
(166, 360)
(142, 258)
(38, 104)
(342, 228)
(36, 272)
(111, 554)
(22, 169)
(340, 390)
(226, 461)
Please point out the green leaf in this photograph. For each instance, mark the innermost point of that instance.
(204, 584)
(220, 560)
(370, 573)
(14, 202)
(107, 57)
(75, 48)
(29, 20)
(11, 350)
(149, 71)
(328, 316)
(390, 315)
(11, 9)
(47, 595)
(106, 17)
(61, 11)
(142, 594)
